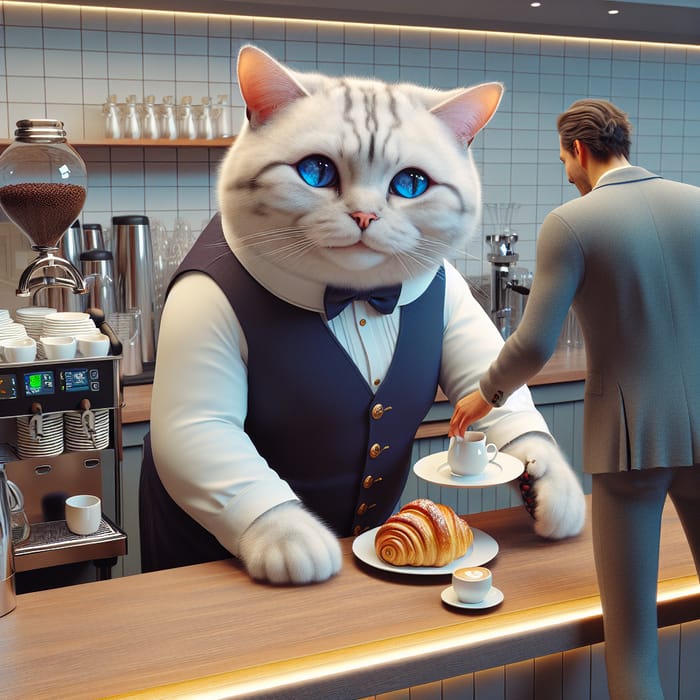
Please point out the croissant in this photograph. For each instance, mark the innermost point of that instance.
(423, 533)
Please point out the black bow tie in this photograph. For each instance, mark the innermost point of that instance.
(383, 299)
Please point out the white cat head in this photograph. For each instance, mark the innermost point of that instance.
(351, 181)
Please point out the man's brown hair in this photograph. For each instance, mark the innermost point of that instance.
(599, 124)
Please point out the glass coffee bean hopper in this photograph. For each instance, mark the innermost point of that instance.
(43, 185)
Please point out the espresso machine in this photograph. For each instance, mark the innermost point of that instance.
(60, 423)
(509, 288)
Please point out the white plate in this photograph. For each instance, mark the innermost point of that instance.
(482, 550)
(493, 597)
(68, 316)
(500, 470)
(35, 311)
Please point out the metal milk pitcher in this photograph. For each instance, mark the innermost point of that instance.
(7, 562)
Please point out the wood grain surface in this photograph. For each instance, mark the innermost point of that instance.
(209, 631)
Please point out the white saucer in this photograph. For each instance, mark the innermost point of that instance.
(493, 597)
(500, 470)
(483, 549)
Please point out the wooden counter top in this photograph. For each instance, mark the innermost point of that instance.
(564, 366)
(209, 631)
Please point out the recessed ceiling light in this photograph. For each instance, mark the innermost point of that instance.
(535, 4)
(613, 12)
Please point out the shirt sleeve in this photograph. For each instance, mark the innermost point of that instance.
(559, 272)
(471, 341)
(204, 458)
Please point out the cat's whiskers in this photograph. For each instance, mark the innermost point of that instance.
(293, 251)
(432, 250)
(288, 242)
(426, 255)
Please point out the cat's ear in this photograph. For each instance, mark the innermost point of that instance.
(469, 110)
(265, 84)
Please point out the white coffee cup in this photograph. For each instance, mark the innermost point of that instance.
(59, 347)
(19, 349)
(83, 514)
(469, 455)
(92, 345)
(471, 583)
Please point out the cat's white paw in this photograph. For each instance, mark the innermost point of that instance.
(557, 501)
(289, 545)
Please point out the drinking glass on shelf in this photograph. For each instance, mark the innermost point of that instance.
(222, 117)
(113, 129)
(187, 128)
(168, 124)
(132, 122)
(206, 125)
(151, 128)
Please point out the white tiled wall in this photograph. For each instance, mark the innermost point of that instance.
(63, 62)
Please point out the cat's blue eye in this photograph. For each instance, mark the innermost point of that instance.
(409, 183)
(318, 171)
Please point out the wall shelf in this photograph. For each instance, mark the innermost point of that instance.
(145, 143)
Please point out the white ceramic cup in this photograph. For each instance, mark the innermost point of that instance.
(469, 455)
(92, 345)
(19, 349)
(83, 514)
(59, 347)
(472, 583)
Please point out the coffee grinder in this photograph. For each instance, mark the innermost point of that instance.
(43, 185)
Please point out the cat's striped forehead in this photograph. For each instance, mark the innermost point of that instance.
(368, 113)
(368, 100)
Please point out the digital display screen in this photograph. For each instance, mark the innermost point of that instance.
(8, 386)
(75, 380)
(39, 383)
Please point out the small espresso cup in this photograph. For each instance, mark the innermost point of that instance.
(61, 347)
(471, 583)
(469, 455)
(92, 345)
(19, 349)
(83, 514)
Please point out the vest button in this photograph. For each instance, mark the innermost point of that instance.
(362, 509)
(375, 450)
(357, 530)
(377, 411)
(368, 481)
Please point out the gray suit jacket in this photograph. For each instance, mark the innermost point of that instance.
(627, 255)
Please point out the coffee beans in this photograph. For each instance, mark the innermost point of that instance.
(43, 210)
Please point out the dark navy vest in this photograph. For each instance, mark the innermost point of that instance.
(344, 449)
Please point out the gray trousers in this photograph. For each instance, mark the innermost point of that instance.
(627, 508)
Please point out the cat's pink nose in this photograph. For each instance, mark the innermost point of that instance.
(363, 218)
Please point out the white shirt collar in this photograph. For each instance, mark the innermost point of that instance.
(612, 170)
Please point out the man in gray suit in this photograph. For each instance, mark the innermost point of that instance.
(626, 255)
